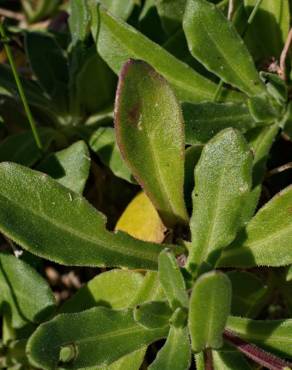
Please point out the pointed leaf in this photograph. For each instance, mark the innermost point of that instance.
(98, 337)
(176, 352)
(210, 305)
(110, 289)
(172, 280)
(205, 120)
(153, 315)
(267, 239)
(150, 290)
(103, 143)
(222, 183)
(149, 129)
(214, 41)
(18, 281)
(51, 221)
(79, 20)
(273, 335)
(70, 167)
(118, 41)
(141, 220)
(171, 13)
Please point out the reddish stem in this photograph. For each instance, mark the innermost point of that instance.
(208, 359)
(255, 353)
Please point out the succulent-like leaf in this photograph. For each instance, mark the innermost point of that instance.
(176, 352)
(172, 280)
(267, 239)
(141, 220)
(97, 337)
(53, 222)
(133, 361)
(117, 42)
(150, 135)
(21, 148)
(150, 290)
(213, 40)
(18, 281)
(70, 167)
(274, 335)
(103, 143)
(110, 289)
(248, 293)
(222, 183)
(210, 305)
(153, 315)
(204, 120)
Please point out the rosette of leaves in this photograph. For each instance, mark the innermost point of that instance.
(202, 290)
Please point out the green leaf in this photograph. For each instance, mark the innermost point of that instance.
(153, 315)
(112, 289)
(222, 52)
(229, 359)
(268, 32)
(98, 337)
(222, 184)
(119, 8)
(79, 20)
(94, 83)
(267, 239)
(192, 156)
(133, 361)
(21, 148)
(103, 143)
(49, 65)
(176, 352)
(70, 167)
(117, 42)
(273, 335)
(53, 222)
(36, 10)
(210, 305)
(172, 280)
(18, 282)
(204, 120)
(149, 129)
(264, 108)
(150, 290)
(171, 13)
(248, 293)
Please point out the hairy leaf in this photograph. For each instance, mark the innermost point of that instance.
(172, 280)
(204, 120)
(98, 337)
(267, 239)
(210, 305)
(133, 361)
(70, 167)
(213, 40)
(53, 222)
(229, 359)
(112, 289)
(176, 352)
(117, 42)
(222, 183)
(149, 129)
(18, 281)
(153, 315)
(150, 290)
(274, 335)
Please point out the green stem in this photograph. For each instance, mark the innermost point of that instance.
(218, 92)
(19, 87)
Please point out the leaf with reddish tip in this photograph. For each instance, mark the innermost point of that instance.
(150, 135)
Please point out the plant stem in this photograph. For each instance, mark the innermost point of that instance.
(255, 353)
(218, 91)
(19, 87)
(252, 15)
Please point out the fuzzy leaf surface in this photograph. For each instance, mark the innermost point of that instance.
(267, 239)
(222, 184)
(53, 222)
(94, 334)
(149, 128)
(214, 41)
(209, 308)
